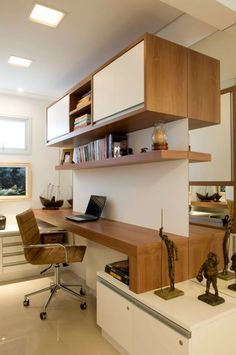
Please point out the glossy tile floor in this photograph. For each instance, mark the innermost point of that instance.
(67, 331)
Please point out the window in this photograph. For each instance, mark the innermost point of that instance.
(14, 135)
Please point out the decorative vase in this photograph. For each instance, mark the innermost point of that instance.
(159, 138)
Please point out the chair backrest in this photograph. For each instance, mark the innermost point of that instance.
(28, 227)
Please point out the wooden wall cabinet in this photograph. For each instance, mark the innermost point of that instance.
(203, 90)
(151, 80)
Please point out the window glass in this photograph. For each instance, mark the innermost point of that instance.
(14, 135)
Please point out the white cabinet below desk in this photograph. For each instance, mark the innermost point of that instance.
(151, 326)
(135, 330)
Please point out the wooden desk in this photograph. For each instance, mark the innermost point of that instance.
(141, 245)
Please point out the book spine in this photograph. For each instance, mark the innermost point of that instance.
(117, 271)
(121, 278)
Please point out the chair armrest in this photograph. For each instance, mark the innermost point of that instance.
(54, 245)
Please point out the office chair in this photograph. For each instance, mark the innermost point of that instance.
(37, 253)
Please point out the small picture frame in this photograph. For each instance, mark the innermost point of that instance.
(67, 156)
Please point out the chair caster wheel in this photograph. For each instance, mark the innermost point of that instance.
(26, 303)
(43, 315)
(82, 292)
(83, 306)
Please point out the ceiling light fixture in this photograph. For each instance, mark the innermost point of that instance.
(20, 90)
(231, 4)
(22, 62)
(46, 15)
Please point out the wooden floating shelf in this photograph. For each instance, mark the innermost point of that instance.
(141, 158)
(210, 204)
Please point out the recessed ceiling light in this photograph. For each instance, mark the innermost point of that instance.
(46, 15)
(20, 90)
(22, 62)
(228, 3)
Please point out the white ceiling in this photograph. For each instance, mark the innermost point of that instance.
(91, 32)
(94, 30)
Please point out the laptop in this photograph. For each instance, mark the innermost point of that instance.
(93, 211)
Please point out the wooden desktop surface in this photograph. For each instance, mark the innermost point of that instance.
(142, 245)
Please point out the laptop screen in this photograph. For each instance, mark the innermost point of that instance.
(96, 205)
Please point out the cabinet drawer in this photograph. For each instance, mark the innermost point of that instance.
(12, 249)
(12, 239)
(114, 315)
(13, 258)
(154, 337)
(19, 267)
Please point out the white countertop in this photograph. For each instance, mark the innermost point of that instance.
(186, 311)
(10, 228)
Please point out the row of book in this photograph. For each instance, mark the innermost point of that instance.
(82, 121)
(111, 146)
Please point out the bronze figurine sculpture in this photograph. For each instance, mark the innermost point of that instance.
(172, 256)
(210, 272)
(233, 268)
(225, 274)
(172, 253)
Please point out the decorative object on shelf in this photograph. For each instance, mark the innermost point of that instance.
(15, 181)
(159, 138)
(228, 226)
(67, 156)
(214, 197)
(172, 253)
(2, 222)
(233, 268)
(209, 271)
(143, 150)
(51, 201)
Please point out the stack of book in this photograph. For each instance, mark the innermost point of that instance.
(82, 121)
(85, 99)
(119, 270)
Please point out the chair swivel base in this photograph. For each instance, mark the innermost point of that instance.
(53, 288)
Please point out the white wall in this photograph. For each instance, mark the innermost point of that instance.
(42, 158)
(136, 194)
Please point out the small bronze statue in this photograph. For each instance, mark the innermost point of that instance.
(172, 254)
(210, 272)
(233, 268)
(225, 274)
